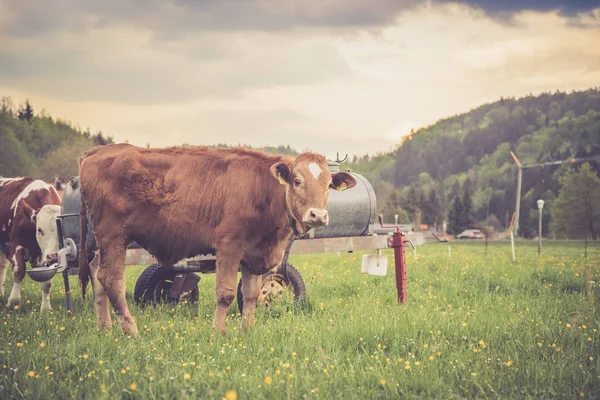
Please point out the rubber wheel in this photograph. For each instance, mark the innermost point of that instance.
(273, 283)
(154, 284)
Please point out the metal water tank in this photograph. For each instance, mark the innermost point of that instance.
(351, 212)
(71, 204)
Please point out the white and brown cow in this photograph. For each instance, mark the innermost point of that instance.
(28, 210)
(181, 202)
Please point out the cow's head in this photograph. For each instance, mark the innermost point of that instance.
(308, 181)
(45, 230)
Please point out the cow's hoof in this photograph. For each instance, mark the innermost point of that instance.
(45, 308)
(12, 305)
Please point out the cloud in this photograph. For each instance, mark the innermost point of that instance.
(128, 65)
(324, 79)
(509, 7)
(176, 18)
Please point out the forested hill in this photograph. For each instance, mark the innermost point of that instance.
(470, 153)
(37, 145)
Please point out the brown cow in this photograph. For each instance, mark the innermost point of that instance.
(181, 202)
(22, 200)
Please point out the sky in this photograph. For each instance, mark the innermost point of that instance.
(347, 76)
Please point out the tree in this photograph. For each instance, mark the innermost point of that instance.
(64, 161)
(26, 112)
(454, 217)
(576, 210)
(466, 219)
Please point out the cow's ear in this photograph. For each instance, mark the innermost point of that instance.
(342, 181)
(281, 172)
(29, 211)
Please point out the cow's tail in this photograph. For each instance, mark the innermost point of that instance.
(84, 265)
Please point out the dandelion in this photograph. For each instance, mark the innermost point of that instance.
(62, 328)
(123, 371)
(431, 358)
(473, 373)
(294, 354)
(417, 363)
(186, 376)
(291, 375)
(277, 372)
(268, 380)
(85, 356)
(42, 344)
(568, 325)
(231, 395)
(19, 345)
(464, 324)
(31, 374)
(103, 388)
(133, 387)
(382, 382)
(508, 363)
(100, 362)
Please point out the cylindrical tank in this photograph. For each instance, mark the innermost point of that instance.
(351, 212)
(71, 204)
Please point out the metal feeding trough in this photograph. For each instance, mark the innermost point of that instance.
(67, 253)
(351, 228)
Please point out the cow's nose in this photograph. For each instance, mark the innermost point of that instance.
(317, 217)
(51, 258)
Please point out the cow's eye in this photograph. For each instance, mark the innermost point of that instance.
(331, 185)
(297, 182)
(41, 232)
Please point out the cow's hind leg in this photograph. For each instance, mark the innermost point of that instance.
(228, 263)
(3, 268)
(101, 303)
(18, 260)
(111, 276)
(45, 286)
(250, 290)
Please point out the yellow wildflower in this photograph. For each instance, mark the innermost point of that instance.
(231, 395)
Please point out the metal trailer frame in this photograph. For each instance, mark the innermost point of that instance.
(186, 279)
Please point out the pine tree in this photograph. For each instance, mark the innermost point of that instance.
(454, 217)
(26, 113)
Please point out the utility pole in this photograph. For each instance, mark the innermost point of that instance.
(519, 182)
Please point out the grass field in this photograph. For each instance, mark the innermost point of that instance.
(475, 326)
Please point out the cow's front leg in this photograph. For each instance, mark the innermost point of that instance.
(18, 263)
(45, 286)
(228, 263)
(3, 268)
(250, 290)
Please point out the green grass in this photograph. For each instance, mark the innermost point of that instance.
(475, 326)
